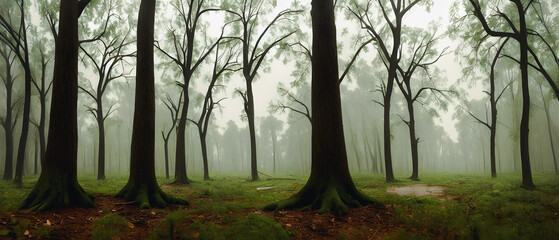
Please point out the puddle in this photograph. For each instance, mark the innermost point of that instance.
(417, 190)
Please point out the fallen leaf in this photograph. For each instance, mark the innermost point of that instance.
(152, 212)
(48, 223)
(26, 233)
(288, 225)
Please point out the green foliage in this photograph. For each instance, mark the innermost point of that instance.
(251, 227)
(109, 226)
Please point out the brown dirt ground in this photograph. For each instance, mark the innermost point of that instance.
(76, 223)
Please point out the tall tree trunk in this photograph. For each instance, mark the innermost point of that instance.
(58, 185)
(493, 130)
(252, 132)
(414, 142)
(18, 179)
(204, 154)
(527, 181)
(35, 167)
(166, 146)
(330, 186)
(8, 125)
(142, 188)
(180, 154)
(101, 128)
(387, 135)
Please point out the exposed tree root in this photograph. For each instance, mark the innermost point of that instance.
(326, 197)
(147, 196)
(59, 191)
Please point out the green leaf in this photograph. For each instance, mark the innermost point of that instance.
(5, 232)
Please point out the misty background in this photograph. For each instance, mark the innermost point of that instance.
(451, 140)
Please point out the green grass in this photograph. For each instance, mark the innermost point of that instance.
(109, 227)
(475, 205)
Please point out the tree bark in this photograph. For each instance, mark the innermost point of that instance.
(8, 125)
(527, 181)
(414, 142)
(252, 132)
(142, 188)
(204, 155)
(20, 159)
(58, 186)
(101, 128)
(330, 186)
(180, 155)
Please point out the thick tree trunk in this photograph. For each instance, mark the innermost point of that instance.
(142, 188)
(527, 181)
(252, 132)
(330, 187)
(58, 186)
(42, 128)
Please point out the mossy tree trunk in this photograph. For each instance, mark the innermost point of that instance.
(330, 187)
(142, 188)
(58, 186)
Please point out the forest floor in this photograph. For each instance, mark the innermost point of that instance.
(440, 206)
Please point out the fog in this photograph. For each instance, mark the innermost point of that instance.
(451, 139)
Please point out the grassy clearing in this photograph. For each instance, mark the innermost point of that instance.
(475, 206)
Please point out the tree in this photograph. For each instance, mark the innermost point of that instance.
(58, 185)
(223, 63)
(106, 53)
(390, 57)
(270, 126)
(254, 51)
(174, 109)
(185, 44)
(493, 100)
(330, 186)
(9, 121)
(43, 91)
(142, 188)
(519, 32)
(423, 55)
(16, 39)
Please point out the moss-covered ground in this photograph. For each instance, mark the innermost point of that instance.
(473, 206)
